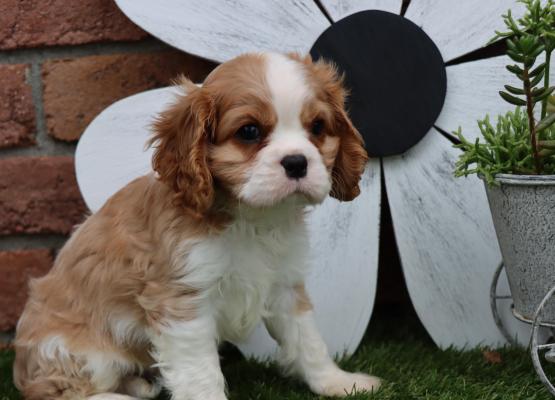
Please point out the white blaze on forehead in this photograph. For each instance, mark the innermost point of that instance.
(288, 88)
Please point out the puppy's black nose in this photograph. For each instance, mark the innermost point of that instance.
(295, 166)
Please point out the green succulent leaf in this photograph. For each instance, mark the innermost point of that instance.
(512, 99)
(545, 123)
(547, 144)
(516, 57)
(511, 45)
(537, 79)
(539, 69)
(538, 50)
(515, 69)
(546, 152)
(514, 90)
(529, 61)
(550, 104)
(541, 93)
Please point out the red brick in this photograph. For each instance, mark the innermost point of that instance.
(17, 113)
(39, 195)
(75, 91)
(31, 23)
(16, 268)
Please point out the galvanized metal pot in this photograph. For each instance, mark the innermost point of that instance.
(523, 210)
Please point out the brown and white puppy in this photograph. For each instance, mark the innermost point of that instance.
(202, 250)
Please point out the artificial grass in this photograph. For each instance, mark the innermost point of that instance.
(394, 348)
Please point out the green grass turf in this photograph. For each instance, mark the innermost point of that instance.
(396, 349)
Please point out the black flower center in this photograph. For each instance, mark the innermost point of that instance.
(395, 74)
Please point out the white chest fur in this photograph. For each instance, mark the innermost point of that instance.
(241, 268)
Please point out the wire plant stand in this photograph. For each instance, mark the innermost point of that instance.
(535, 347)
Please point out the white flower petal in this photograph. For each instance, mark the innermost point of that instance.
(220, 30)
(111, 151)
(342, 8)
(460, 26)
(446, 241)
(344, 236)
(473, 92)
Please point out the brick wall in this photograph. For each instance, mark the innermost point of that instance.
(61, 63)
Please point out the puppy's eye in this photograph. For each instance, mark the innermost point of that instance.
(249, 133)
(317, 127)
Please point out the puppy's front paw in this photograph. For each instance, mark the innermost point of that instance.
(342, 383)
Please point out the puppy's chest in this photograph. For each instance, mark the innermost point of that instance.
(252, 263)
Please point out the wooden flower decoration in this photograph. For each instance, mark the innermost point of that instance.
(409, 88)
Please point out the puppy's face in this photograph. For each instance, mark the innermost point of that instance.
(264, 127)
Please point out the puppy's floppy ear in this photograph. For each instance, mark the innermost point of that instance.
(351, 157)
(181, 137)
(350, 160)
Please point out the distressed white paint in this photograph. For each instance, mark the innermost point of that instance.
(447, 243)
(220, 30)
(342, 282)
(460, 26)
(342, 8)
(473, 93)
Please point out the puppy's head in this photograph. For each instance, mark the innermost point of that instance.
(264, 128)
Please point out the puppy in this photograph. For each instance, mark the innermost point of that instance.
(203, 249)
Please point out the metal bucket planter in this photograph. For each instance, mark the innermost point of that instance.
(523, 210)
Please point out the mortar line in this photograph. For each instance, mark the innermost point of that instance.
(40, 54)
(32, 241)
(45, 145)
